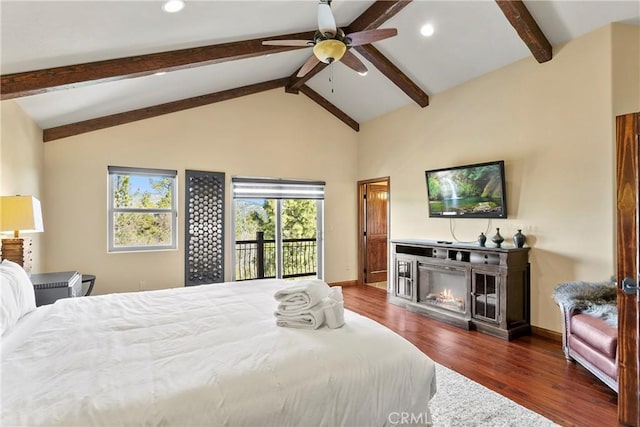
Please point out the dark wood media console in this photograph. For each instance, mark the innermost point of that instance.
(483, 288)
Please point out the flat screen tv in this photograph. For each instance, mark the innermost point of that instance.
(470, 191)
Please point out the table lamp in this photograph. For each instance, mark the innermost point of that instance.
(19, 214)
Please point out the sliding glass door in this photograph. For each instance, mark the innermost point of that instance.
(278, 228)
(254, 238)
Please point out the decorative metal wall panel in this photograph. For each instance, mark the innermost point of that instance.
(204, 227)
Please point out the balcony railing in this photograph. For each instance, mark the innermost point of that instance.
(256, 259)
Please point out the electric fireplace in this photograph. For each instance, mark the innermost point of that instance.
(441, 286)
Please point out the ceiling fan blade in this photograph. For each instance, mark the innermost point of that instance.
(370, 36)
(352, 61)
(326, 21)
(308, 66)
(287, 43)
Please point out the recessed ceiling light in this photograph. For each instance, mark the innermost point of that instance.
(427, 30)
(160, 73)
(172, 6)
(363, 73)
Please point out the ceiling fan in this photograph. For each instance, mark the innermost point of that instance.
(330, 44)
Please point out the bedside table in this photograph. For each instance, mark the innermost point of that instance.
(50, 287)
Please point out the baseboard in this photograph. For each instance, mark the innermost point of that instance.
(345, 283)
(546, 333)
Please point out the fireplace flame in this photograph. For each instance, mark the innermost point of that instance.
(446, 297)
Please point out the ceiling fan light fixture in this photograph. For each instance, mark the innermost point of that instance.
(172, 6)
(329, 51)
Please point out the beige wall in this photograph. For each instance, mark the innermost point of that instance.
(625, 46)
(553, 125)
(21, 160)
(271, 134)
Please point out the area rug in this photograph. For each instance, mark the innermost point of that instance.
(461, 402)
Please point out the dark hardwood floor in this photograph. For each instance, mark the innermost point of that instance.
(531, 370)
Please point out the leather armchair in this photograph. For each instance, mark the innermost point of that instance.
(590, 341)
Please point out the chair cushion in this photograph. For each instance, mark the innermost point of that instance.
(595, 358)
(596, 333)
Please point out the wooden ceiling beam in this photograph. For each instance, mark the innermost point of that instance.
(157, 110)
(376, 15)
(527, 28)
(393, 73)
(51, 79)
(372, 18)
(320, 100)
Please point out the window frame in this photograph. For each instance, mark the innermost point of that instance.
(113, 210)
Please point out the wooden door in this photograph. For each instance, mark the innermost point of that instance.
(373, 230)
(628, 256)
(375, 233)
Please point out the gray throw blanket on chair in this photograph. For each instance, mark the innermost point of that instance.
(598, 299)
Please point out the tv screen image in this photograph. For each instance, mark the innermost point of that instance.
(470, 191)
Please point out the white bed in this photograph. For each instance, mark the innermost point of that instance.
(206, 355)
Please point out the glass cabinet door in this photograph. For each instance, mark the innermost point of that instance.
(404, 278)
(485, 297)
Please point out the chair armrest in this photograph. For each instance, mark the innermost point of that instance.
(566, 314)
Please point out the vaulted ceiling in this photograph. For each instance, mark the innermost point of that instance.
(78, 66)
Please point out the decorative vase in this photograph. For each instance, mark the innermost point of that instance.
(497, 238)
(519, 239)
(482, 239)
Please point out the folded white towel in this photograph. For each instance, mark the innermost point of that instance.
(291, 309)
(312, 318)
(309, 304)
(302, 295)
(335, 293)
(333, 313)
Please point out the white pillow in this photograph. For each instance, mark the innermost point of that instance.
(17, 296)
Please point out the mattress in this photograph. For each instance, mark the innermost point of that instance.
(205, 355)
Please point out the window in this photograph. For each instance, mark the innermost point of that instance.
(142, 209)
(278, 228)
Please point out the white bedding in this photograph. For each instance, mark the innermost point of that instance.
(206, 355)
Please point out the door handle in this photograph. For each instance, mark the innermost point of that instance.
(629, 286)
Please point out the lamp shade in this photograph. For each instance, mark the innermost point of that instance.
(329, 50)
(20, 213)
